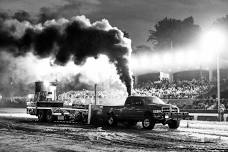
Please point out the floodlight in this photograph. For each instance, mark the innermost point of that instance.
(213, 40)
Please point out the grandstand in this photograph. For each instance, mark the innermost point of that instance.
(193, 88)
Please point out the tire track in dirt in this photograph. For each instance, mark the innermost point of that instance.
(135, 138)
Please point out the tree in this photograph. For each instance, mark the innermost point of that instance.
(222, 22)
(171, 32)
(140, 49)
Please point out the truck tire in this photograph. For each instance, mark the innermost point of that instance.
(41, 116)
(174, 124)
(148, 123)
(111, 121)
(49, 116)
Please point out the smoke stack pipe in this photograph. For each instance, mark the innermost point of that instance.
(39, 86)
(95, 96)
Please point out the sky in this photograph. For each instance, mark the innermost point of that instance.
(134, 16)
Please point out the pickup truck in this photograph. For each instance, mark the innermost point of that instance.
(146, 109)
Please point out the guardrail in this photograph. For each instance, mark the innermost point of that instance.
(201, 111)
(206, 115)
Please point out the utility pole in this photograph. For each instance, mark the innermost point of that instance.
(95, 94)
(218, 87)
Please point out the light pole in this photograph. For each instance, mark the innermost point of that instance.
(214, 41)
(218, 87)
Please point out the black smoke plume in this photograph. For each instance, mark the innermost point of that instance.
(75, 39)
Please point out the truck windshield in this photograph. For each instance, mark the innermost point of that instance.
(154, 100)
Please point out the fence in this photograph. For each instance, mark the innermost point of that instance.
(197, 104)
(201, 109)
(16, 102)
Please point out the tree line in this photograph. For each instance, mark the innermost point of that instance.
(174, 33)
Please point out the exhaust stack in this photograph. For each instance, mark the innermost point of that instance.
(45, 90)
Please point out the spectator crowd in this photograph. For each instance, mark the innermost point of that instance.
(185, 94)
(104, 97)
(173, 90)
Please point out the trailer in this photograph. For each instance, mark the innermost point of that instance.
(48, 108)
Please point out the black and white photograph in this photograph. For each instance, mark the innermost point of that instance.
(113, 75)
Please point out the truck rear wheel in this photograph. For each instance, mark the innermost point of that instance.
(49, 116)
(41, 116)
(148, 123)
(174, 124)
(111, 121)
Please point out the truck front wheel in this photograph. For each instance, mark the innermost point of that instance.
(111, 121)
(174, 124)
(148, 123)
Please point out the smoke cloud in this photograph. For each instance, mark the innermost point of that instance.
(68, 40)
(17, 74)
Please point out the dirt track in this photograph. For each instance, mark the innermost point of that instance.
(20, 132)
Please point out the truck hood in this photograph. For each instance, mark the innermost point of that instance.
(162, 105)
(165, 107)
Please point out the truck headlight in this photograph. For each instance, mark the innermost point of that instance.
(178, 110)
(157, 111)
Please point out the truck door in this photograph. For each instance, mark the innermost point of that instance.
(127, 110)
(138, 112)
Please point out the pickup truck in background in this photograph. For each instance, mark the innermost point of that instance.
(146, 109)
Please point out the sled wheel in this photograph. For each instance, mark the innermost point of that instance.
(41, 116)
(49, 116)
(111, 121)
